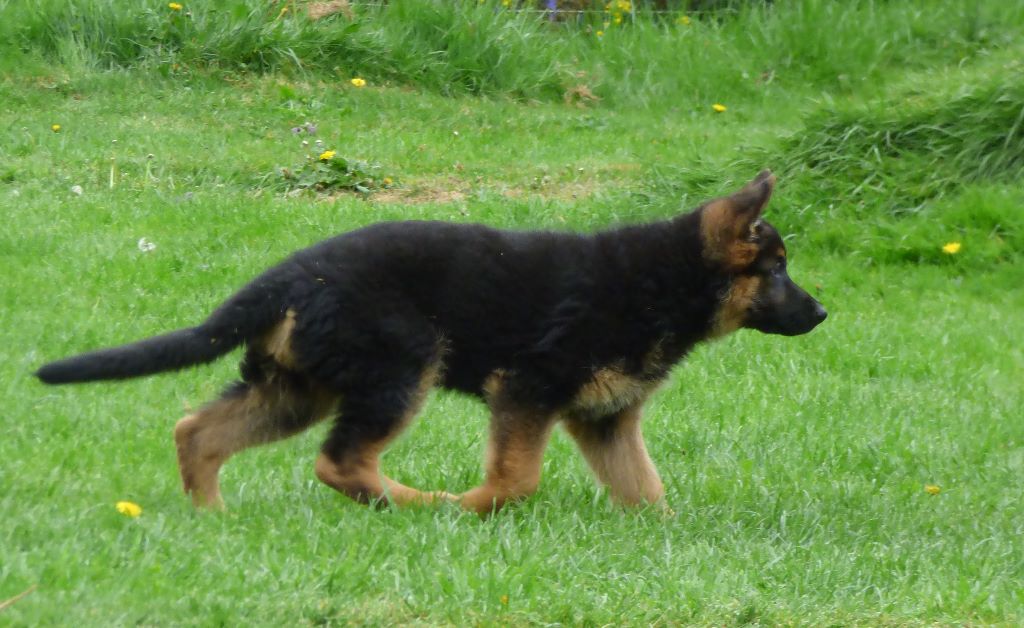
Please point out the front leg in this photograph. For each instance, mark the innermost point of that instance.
(614, 448)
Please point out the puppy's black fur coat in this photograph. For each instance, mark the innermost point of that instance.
(543, 326)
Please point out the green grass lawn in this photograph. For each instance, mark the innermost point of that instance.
(796, 467)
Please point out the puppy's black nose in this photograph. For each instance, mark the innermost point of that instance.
(819, 312)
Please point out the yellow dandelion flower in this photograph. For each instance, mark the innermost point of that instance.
(326, 155)
(624, 5)
(387, 181)
(684, 20)
(358, 82)
(174, 6)
(504, 599)
(599, 33)
(719, 108)
(931, 489)
(618, 18)
(55, 128)
(129, 509)
(951, 248)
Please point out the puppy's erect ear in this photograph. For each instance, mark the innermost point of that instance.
(728, 224)
(750, 202)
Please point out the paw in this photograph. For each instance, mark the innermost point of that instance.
(440, 497)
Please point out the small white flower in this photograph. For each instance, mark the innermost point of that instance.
(145, 245)
(77, 190)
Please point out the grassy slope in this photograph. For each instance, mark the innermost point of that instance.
(795, 466)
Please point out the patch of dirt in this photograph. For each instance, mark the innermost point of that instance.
(320, 10)
(580, 95)
(567, 191)
(315, 10)
(419, 195)
(455, 190)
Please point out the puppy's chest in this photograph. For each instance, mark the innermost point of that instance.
(612, 388)
(620, 384)
(607, 392)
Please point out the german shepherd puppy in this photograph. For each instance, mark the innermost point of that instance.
(543, 327)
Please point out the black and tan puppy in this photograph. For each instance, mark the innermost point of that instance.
(544, 327)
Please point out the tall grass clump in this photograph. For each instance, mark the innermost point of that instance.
(905, 149)
(845, 44)
(244, 35)
(840, 46)
(469, 47)
(937, 158)
(457, 47)
(933, 161)
(634, 58)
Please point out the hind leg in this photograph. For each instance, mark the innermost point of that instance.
(349, 461)
(246, 415)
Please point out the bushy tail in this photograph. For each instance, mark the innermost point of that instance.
(243, 317)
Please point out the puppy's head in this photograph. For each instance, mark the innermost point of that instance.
(749, 251)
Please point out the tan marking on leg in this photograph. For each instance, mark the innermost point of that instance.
(494, 383)
(206, 439)
(198, 468)
(732, 313)
(358, 475)
(513, 465)
(277, 342)
(619, 458)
